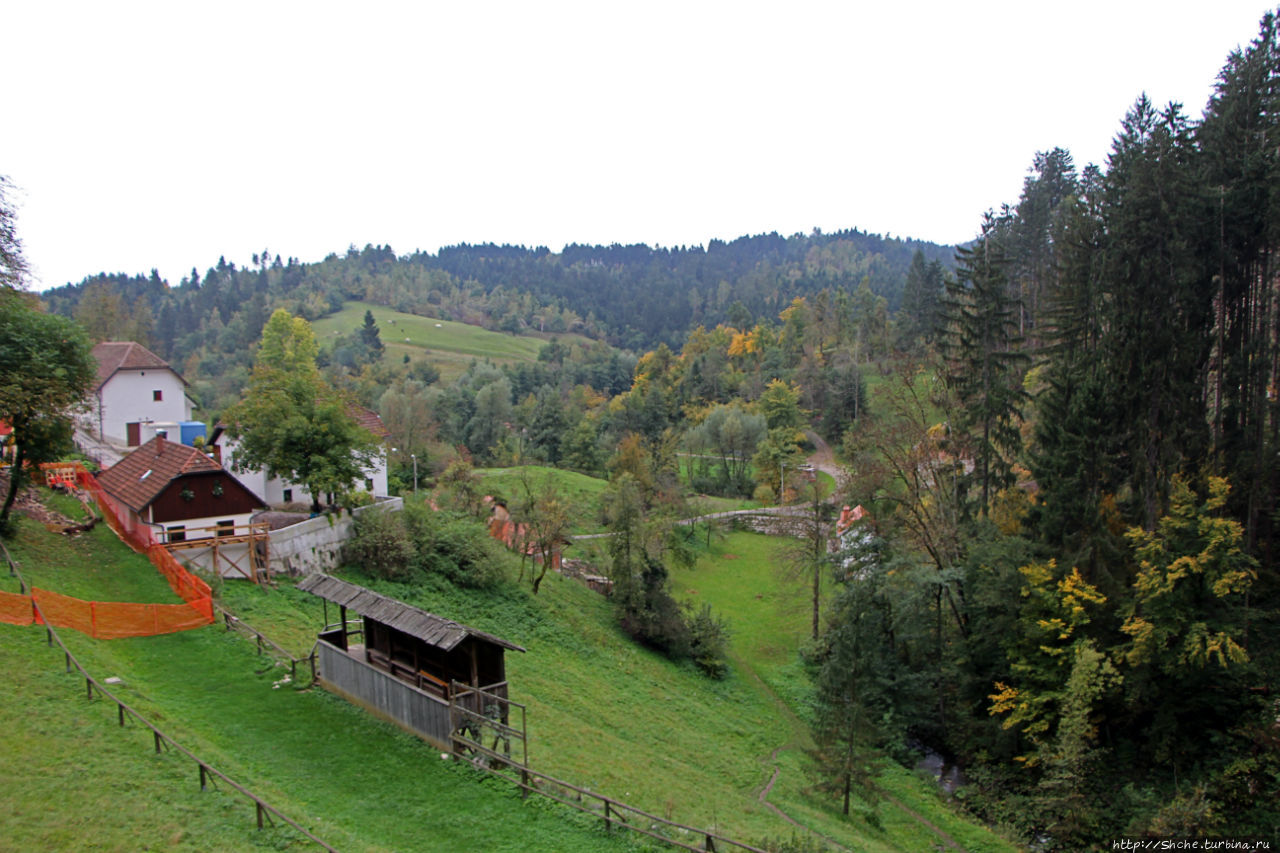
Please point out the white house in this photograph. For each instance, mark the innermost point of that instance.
(136, 393)
(275, 490)
(188, 501)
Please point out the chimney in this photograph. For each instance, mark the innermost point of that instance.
(161, 435)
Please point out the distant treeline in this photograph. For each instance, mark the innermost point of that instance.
(635, 297)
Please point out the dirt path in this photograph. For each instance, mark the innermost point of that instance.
(823, 457)
(799, 740)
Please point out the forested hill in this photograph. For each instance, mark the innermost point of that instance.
(632, 296)
(644, 296)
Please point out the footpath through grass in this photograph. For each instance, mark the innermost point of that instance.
(622, 720)
(604, 713)
(354, 781)
(743, 577)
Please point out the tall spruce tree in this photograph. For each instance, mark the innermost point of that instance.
(984, 364)
(1241, 172)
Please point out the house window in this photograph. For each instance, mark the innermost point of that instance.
(288, 495)
(368, 486)
(177, 533)
(227, 527)
(157, 395)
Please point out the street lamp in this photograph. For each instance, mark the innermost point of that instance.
(414, 457)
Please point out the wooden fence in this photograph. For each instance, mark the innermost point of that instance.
(264, 811)
(475, 721)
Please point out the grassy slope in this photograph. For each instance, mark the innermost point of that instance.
(449, 345)
(769, 614)
(619, 719)
(584, 493)
(603, 713)
(358, 783)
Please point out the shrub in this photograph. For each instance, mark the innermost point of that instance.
(708, 637)
(380, 544)
(454, 546)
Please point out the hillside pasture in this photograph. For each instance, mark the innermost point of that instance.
(448, 345)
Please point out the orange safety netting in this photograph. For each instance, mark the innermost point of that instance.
(111, 620)
(16, 609)
(107, 620)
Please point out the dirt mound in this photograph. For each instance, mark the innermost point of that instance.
(29, 503)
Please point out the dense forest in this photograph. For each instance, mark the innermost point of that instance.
(1065, 432)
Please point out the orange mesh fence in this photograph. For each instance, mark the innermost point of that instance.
(112, 620)
(141, 537)
(108, 620)
(16, 609)
(188, 587)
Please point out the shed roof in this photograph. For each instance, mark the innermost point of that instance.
(434, 630)
(114, 356)
(139, 478)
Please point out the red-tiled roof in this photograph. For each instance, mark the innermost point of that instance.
(369, 420)
(140, 477)
(114, 356)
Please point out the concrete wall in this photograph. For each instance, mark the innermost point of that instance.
(315, 545)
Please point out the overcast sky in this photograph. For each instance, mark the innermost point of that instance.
(165, 135)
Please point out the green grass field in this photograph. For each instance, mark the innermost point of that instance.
(448, 345)
(74, 780)
(582, 492)
(604, 713)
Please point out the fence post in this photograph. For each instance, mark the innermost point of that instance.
(202, 779)
(608, 824)
(157, 736)
(68, 654)
(88, 687)
(259, 805)
(49, 636)
(120, 709)
(710, 846)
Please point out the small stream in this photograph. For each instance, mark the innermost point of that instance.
(948, 776)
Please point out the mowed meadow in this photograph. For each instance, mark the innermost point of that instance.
(447, 344)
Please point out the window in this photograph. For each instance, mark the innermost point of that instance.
(227, 527)
(288, 495)
(368, 486)
(177, 533)
(157, 395)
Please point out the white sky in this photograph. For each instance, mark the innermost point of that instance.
(166, 134)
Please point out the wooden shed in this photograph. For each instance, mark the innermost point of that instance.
(405, 664)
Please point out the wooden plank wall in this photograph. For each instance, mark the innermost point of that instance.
(385, 695)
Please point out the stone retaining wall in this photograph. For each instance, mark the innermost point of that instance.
(315, 545)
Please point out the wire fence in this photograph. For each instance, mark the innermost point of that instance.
(265, 813)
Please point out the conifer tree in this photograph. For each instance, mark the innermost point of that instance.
(984, 365)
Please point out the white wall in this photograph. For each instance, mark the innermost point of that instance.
(232, 559)
(271, 489)
(240, 520)
(128, 396)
